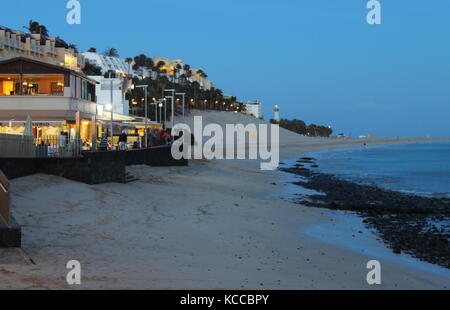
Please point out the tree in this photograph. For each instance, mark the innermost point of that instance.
(91, 69)
(92, 50)
(144, 61)
(35, 28)
(202, 74)
(111, 52)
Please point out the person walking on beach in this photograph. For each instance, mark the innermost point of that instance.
(123, 141)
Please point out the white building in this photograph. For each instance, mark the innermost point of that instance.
(121, 106)
(107, 63)
(254, 108)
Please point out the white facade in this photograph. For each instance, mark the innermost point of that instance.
(107, 63)
(254, 108)
(121, 106)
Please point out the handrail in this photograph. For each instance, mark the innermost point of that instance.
(4, 198)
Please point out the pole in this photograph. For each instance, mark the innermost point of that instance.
(112, 112)
(146, 119)
(184, 102)
(165, 112)
(173, 111)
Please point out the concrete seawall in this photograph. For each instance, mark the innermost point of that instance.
(92, 167)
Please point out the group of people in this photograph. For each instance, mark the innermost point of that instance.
(159, 137)
(154, 138)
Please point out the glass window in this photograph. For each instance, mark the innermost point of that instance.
(32, 85)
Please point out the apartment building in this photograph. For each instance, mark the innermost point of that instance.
(198, 77)
(254, 108)
(51, 50)
(115, 64)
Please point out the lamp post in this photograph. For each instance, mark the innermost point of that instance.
(145, 87)
(111, 127)
(184, 96)
(165, 111)
(173, 103)
(160, 113)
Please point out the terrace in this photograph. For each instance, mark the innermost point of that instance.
(44, 91)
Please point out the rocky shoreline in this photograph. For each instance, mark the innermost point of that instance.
(415, 225)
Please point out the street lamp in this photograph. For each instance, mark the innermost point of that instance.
(112, 107)
(173, 103)
(145, 87)
(184, 100)
(165, 108)
(160, 112)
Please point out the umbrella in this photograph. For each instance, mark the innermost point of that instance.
(28, 127)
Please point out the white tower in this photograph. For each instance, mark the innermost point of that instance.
(277, 113)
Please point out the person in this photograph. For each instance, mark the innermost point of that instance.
(123, 141)
(104, 144)
(167, 138)
(161, 138)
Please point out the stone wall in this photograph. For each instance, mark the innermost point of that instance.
(93, 167)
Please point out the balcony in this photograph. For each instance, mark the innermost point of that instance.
(44, 106)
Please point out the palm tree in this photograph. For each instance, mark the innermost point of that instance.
(177, 69)
(111, 52)
(196, 88)
(35, 28)
(159, 65)
(144, 61)
(92, 50)
(202, 74)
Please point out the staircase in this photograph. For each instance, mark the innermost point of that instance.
(130, 178)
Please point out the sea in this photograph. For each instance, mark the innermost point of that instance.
(415, 168)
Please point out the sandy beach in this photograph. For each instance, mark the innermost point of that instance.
(212, 225)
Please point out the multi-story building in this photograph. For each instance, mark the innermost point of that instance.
(198, 77)
(254, 108)
(52, 50)
(115, 64)
(117, 88)
(107, 63)
(53, 96)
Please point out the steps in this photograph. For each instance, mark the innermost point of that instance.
(130, 178)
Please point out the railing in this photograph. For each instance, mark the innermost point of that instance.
(57, 146)
(15, 146)
(4, 198)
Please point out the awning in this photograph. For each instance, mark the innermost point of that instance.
(45, 123)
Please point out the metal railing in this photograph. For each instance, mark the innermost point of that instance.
(15, 146)
(57, 146)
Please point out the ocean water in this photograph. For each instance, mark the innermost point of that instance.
(419, 168)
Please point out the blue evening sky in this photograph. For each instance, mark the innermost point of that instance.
(318, 59)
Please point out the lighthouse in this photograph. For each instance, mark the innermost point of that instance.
(277, 113)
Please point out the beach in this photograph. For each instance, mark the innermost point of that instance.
(215, 224)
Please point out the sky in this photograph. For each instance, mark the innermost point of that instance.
(318, 59)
